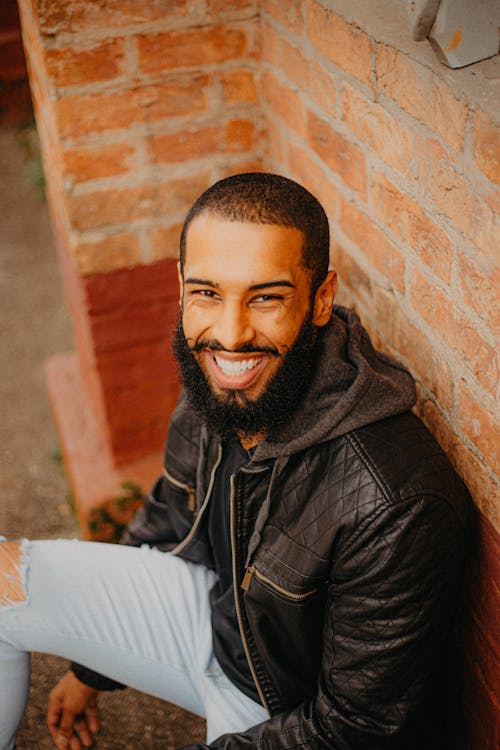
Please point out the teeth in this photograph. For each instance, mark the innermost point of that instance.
(236, 368)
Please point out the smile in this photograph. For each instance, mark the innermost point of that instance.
(234, 368)
(234, 372)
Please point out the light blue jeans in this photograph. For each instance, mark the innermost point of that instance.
(139, 616)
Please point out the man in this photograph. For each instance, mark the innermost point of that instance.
(299, 561)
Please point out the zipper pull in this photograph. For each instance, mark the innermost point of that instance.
(245, 584)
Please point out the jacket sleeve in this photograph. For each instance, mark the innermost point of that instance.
(392, 596)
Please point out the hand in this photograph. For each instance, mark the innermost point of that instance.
(72, 716)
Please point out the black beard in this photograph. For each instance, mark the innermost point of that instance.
(233, 414)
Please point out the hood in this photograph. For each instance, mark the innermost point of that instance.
(352, 386)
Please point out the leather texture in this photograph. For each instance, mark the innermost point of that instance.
(356, 547)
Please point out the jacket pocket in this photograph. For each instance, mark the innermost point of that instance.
(252, 571)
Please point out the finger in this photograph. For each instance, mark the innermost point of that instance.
(93, 719)
(65, 731)
(82, 730)
(74, 743)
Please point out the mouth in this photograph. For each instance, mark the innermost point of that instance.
(235, 372)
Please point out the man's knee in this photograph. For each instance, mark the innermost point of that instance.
(13, 564)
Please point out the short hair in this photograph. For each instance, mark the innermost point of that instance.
(263, 198)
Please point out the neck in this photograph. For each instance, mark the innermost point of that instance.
(250, 441)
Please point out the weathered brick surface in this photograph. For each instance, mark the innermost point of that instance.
(113, 206)
(69, 67)
(342, 43)
(114, 252)
(390, 138)
(422, 93)
(283, 102)
(340, 154)
(80, 15)
(373, 243)
(487, 146)
(238, 87)
(93, 113)
(195, 47)
(407, 219)
(98, 161)
(287, 12)
(455, 329)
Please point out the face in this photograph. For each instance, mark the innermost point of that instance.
(245, 304)
(245, 296)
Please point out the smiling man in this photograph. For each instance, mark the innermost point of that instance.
(294, 573)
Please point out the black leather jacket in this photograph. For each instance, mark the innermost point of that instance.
(347, 594)
(347, 591)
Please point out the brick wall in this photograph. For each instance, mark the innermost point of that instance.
(142, 104)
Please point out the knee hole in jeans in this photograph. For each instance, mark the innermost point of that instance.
(13, 566)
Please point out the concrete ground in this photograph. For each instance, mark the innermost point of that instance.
(35, 501)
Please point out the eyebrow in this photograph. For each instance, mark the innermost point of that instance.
(264, 285)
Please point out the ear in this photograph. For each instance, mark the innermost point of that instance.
(323, 300)
(181, 283)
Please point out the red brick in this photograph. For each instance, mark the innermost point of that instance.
(283, 102)
(373, 243)
(69, 67)
(450, 193)
(309, 76)
(105, 292)
(238, 87)
(411, 345)
(342, 156)
(108, 207)
(234, 136)
(351, 275)
(422, 93)
(184, 145)
(407, 219)
(374, 125)
(274, 143)
(55, 17)
(99, 161)
(164, 242)
(133, 325)
(342, 43)
(480, 285)
(248, 165)
(237, 8)
(287, 12)
(270, 45)
(116, 251)
(79, 115)
(455, 330)
(194, 47)
(312, 176)
(487, 146)
(239, 135)
(479, 425)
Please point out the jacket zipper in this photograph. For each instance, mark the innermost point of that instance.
(196, 523)
(239, 614)
(251, 572)
(187, 487)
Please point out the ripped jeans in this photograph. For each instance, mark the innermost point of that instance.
(139, 616)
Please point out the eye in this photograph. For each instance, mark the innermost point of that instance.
(204, 293)
(267, 300)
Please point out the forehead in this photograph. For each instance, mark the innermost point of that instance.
(240, 250)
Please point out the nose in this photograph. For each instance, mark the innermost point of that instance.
(232, 327)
